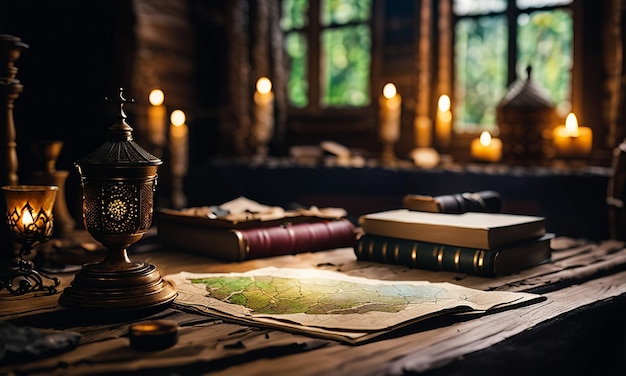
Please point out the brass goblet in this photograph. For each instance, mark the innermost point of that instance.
(29, 219)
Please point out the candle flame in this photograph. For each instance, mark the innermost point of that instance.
(444, 103)
(389, 90)
(264, 85)
(571, 124)
(27, 217)
(485, 138)
(156, 97)
(177, 118)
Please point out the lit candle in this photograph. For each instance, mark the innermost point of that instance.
(485, 148)
(263, 111)
(29, 208)
(423, 129)
(571, 140)
(25, 222)
(389, 103)
(157, 115)
(27, 217)
(179, 142)
(443, 122)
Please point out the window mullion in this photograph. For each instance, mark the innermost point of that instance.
(314, 42)
(511, 15)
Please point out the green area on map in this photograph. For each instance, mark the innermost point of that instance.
(279, 295)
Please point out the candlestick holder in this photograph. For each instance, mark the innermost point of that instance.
(118, 182)
(47, 152)
(11, 48)
(388, 155)
(10, 89)
(29, 220)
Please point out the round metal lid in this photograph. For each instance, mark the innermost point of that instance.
(120, 149)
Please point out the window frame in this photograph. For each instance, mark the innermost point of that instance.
(357, 127)
(313, 119)
(511, 14)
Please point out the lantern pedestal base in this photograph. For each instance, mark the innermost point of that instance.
(103, 290)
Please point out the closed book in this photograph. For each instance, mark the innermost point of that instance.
(441, 257)
(470, 230)
(482, 201)
(247, 243)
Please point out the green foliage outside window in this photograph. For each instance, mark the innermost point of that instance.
(297, 85)
(345, 52)
(345, 66)
(294, 14)
(545, 42)
(340, 12)
(294, 19)
(480, 62)
(481, 69)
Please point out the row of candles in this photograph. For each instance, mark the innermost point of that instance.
(178, 130)
(569, 140)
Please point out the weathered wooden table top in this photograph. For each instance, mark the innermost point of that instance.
(580, 275)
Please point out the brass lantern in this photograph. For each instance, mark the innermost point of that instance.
(118, 182)
(525, 115)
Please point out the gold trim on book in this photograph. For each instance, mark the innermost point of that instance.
(243, 244)
(439, 251)
(457, 259)
(479, 259)
(396, 253)
(475, 259)
(292, 234)
(359, 249)
(414, 255)
(370, 251)
(384, 252)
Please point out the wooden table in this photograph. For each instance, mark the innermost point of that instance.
(578, 329)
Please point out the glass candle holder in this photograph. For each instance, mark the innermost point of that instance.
(30, 223)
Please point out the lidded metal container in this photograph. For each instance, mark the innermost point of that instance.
(526, 116)
(118, 180)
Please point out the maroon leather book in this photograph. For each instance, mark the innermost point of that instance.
(248, 243)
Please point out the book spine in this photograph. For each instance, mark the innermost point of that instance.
(423, 255)
(297, 238)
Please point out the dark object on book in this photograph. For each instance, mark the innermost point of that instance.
(246, 243)
(482, 201)
(440, 257)
(471, 230)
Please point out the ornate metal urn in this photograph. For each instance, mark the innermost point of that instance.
(118, 182)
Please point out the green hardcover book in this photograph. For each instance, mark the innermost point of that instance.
(433, 256)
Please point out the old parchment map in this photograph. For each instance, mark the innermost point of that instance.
(331, 304)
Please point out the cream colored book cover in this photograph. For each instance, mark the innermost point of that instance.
(472, 229)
